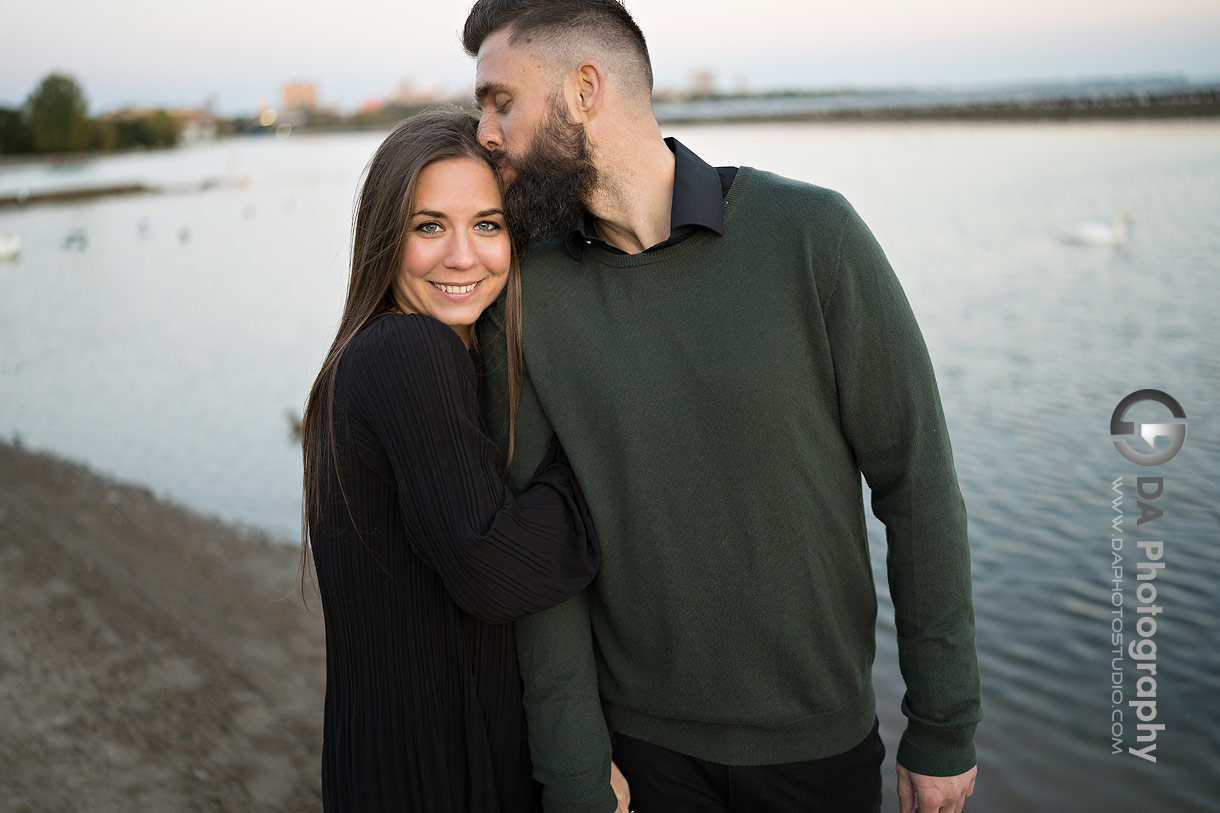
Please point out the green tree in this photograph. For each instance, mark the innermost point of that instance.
(14, 134)
(161, 129)
(58, 115)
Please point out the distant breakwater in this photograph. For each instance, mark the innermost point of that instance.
(930, 106)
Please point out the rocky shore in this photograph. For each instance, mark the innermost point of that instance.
(150, 658)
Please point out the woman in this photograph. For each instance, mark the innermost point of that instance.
(421, 552)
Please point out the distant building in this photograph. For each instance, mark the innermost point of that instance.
(126, 113)
(409, 93)
(197, 125)
(668, 94)
(703, 83)
(299, 96)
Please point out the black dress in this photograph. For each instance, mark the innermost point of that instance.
(419, 573)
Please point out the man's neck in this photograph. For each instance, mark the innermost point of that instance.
(634, 196)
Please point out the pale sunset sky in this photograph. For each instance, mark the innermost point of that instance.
(240, 52)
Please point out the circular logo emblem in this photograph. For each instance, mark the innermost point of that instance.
(1122, 429)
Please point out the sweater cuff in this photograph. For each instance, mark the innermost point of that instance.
(936, 751)
(584, 793)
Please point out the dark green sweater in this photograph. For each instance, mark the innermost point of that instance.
(719, 399)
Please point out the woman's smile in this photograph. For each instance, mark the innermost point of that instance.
(455, 290)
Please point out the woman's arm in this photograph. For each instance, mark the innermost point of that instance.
(411, 384)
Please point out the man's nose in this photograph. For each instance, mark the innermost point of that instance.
(489, 134)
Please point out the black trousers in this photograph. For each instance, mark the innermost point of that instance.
(664, 781)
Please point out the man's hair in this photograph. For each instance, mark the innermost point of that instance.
(556, 27)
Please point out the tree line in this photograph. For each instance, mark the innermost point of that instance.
(55, 119)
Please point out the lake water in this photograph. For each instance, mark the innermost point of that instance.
(171, 355)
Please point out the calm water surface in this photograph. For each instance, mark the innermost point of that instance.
(171, 355)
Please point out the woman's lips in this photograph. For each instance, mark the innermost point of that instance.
(456, 291)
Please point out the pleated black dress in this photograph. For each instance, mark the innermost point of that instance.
(419, 573)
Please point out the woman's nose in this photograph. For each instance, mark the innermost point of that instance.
(459, 253)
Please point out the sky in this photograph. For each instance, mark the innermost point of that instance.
(239, 53)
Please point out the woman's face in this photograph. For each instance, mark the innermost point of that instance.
(456, 257)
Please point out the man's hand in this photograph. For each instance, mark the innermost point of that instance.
(934, 794)
(619, 785)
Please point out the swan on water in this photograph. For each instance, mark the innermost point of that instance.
(1116, 232)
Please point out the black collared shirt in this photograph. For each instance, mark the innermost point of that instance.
(698, 203)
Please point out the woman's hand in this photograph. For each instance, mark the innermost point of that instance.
(619, 784)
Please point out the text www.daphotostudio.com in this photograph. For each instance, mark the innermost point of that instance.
(1133, 686)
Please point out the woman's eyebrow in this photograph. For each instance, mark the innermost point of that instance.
(434, 213)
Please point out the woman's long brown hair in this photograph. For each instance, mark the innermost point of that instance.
(378, 236)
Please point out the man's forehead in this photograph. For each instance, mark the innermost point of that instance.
(494, 54)
(501, 64)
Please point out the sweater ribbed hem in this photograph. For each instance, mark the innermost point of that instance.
(935, 750)
(813, 737)
(584, 793)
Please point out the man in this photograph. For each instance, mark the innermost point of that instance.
(722, 352)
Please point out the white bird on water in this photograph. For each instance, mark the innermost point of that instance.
(1097, 232)
(10, 246)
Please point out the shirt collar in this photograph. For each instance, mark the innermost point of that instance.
(698, 200)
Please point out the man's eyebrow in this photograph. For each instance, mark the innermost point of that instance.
(486, 89)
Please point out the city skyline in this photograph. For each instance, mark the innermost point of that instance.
(132, 53)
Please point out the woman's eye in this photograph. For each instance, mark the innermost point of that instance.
(488, 225)
(431, 227)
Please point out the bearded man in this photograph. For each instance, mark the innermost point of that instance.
(722, 352)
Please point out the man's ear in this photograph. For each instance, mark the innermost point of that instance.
(587, 91)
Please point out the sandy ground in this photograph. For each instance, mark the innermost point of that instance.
(150, 658)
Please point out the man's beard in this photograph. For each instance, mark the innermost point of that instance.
(552, 179)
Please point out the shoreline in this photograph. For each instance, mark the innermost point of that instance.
(24, 198)
(1186, 105)
(150, 658)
